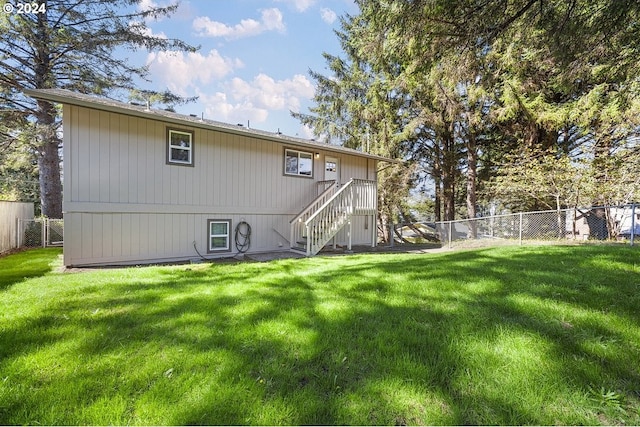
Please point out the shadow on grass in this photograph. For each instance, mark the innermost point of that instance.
(479, 337)
(25, 265)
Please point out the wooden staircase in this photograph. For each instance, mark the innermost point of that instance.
(329, 213)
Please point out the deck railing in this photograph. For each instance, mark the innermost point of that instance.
(357, 197)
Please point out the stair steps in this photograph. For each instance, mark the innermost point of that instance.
(331, 212)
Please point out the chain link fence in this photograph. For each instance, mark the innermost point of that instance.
(40, 232)
(584, 224)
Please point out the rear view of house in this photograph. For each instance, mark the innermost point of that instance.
(144, 186)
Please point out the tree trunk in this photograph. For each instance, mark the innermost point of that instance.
(48, 143)
(437, 202)
(437, 180)
(448, 183)
(449, 168)
(383, 216)
(472, 173)
(49, 161)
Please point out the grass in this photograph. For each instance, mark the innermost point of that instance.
(514, 335)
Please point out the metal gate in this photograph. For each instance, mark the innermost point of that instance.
(40, 232)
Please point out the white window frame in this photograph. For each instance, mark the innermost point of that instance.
(188, 136)
(210, 235)
(291, 169)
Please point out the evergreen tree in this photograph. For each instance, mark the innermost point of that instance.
(358, 107)
(470, 87)
(69, 44)
(18, 168)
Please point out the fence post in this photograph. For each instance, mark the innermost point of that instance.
(520, 231)
(43, 232)
(633, 223)
(374, 231)
(17, 232)
(450, 232)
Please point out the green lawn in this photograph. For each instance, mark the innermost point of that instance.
(514, 335)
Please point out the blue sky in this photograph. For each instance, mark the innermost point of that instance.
(254, 57)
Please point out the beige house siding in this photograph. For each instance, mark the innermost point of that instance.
(108, 238)
(119, 159)
(124, 204)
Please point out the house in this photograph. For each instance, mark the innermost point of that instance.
(148, 186)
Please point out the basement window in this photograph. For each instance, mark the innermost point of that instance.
(179, 147)
(219, 240)
(298, 163)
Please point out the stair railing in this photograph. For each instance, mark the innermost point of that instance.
(297, 233)
(357, 197)
(325, 185)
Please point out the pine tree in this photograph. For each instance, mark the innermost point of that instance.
(358, 107)
(70, 44)
(468, 85)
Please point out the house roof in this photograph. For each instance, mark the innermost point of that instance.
(68, 97)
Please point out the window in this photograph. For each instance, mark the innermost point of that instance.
(298, 163)
(218, 230)
(179, 147)
(331, 167)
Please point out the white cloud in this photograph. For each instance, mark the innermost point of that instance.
(181, 71)
(266, 92)
(145, 5)
(271, 20)
(148, 5)
(306, 132)
(142, 29)
(299, 5)
(219, 107)
(328, 15)
(254, 100)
